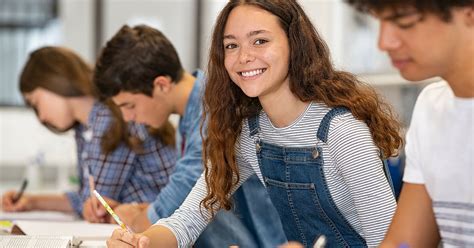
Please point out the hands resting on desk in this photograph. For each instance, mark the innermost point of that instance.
(134, 215)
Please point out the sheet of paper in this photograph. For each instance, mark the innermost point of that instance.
(37, 215)
(81, 230)
(20, 241)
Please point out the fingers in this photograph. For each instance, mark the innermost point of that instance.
(89, 213)
(8, 205)
(292, 244)
(121, 238)
(7, 201)
(143, 242)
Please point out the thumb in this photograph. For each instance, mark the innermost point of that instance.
(99, 209)
(143, 242)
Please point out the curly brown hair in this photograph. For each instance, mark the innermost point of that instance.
(312, 78)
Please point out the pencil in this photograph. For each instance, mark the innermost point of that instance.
(111, 212)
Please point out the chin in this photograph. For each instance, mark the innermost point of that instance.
(414, 76)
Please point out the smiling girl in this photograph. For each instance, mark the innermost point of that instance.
(313, 135)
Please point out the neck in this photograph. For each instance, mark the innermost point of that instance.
(182, 91)
(283, 108)
(460, 77)
(82, 107)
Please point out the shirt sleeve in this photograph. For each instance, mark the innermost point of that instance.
(110, 172)
(189, 220)
(413, 172)
(187, 171)
(357, 159)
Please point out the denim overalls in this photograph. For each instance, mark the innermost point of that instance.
(296, 183)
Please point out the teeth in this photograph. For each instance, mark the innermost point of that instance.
(252, 73)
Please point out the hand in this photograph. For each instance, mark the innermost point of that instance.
(122, 238)
(134, 216)
(94, 212)
(292, 244)
(25, 203)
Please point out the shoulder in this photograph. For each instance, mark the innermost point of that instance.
(434, 92)
(100, 118)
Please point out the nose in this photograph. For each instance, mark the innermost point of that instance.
(388, 37)
(245, 55)
(128, 115)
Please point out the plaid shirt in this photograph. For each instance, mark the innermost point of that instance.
(123, 175)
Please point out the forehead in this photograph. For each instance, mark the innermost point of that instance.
(124, 97)
(248, 17)
(36, 93)
(394, 12)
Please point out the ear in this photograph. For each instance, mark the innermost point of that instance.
(469, 14)
(162, 84)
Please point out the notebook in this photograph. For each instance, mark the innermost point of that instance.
(80, 230)
(21, 241)
(37, 215)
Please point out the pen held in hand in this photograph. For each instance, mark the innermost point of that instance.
(111, 212)
(20, 193)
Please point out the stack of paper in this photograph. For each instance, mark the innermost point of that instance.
(80, 230)
(18, 241)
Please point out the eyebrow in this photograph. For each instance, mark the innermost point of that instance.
(250, 34)
(399, 15)
(123, 104)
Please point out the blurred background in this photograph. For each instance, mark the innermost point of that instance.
(29, 150)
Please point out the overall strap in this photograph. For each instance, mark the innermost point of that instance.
(323, 129)
(253, 123)
(323, 132)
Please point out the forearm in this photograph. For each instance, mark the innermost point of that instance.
(51, 203)
(161, 236)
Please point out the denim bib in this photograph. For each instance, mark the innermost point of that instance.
(296, 184)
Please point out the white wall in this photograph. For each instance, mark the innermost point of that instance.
(175, 18)
(77, 30)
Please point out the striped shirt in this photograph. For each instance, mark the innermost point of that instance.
(352, 168)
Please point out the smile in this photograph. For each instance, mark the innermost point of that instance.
(252, 73)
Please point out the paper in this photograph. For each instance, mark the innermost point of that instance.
(19, 241)
(37, 215)
(80, 230)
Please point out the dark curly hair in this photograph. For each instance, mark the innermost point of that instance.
(441, 8)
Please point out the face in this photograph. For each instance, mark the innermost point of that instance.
(142, 109)
(52, 110)
(420, 46)
(256, 52)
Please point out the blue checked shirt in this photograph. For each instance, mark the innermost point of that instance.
(123, 175)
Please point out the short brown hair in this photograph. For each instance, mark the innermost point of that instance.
(133, 58)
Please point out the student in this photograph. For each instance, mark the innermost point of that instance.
(425, 39)
(57, 84)
(276, 107)
(139, 69)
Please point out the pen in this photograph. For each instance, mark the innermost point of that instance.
(111, 212)
(320, 242)
(20, 193)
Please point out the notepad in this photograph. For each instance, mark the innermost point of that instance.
(80, 230)
(37, 215)
(20, 241)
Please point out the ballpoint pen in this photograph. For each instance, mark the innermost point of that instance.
(20, 193)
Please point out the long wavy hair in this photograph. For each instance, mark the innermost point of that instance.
(311, 78)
